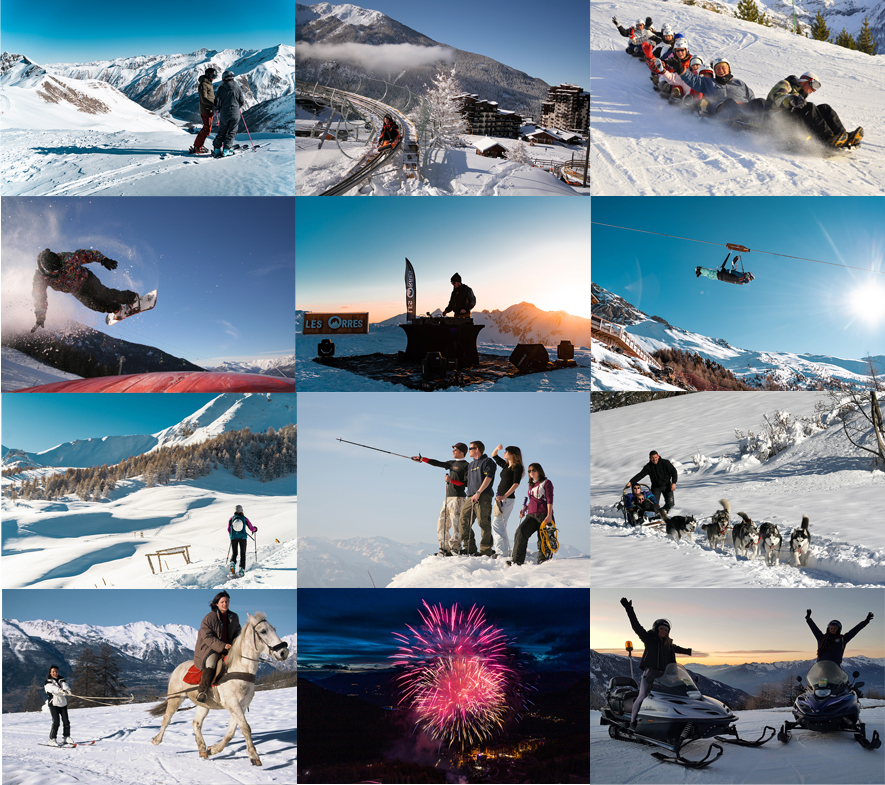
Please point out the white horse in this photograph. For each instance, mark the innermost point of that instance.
(234, 692)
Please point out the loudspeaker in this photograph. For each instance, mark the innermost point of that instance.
(530, 357)
(325, 348)
(434, 367)
(565, 351)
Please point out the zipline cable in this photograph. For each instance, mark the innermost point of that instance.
(726, 245)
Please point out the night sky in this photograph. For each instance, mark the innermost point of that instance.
(354, 628)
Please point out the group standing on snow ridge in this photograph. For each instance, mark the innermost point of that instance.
(714, 90)
(228, 105)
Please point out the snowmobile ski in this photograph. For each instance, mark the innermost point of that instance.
(743, 742)
(679, 760)
(145, 303)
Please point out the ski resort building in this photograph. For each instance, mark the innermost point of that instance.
(567, 106)
(490, 148)
(484, 118)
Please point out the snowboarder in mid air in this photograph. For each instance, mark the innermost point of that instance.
(65, 272)
(229, 101)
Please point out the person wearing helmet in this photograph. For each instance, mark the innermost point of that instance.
(723, 95)
(831, 644)
(230, 102)
(207, 108)
(693, 97)
(789, 98)
(665, 67)
(64, 272)
(664, 41)
(659, 652)
(638, 35)
(236, 529)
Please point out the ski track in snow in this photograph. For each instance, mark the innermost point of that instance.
(643, 146)
(123, 753)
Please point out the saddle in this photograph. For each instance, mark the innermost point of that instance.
(194, 674)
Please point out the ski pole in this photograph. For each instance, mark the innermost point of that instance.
(376, 449)
(247, 130)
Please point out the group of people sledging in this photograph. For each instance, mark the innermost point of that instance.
(228, 105)
(713, 89)
(470, 497)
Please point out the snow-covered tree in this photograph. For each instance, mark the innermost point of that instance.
(518, 154)
(446, 120)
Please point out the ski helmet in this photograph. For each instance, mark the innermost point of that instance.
(210, 71)
(695, 60)
(719, 60)
(49, 263)
(227, 76)
(681, 43)
(639, 23)
(706, 69)
(835, 623)
(661, 623)
(811, 79)
(239, 509)
(666, 29)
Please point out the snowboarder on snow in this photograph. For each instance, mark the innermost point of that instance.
(57, 691)
(447, 525)
(218, 631)
(662, 476)
(462, 300)
(230, 102)
(236, 528)
(207, 107)
(789, 98)
(831, 644)
(64, 272)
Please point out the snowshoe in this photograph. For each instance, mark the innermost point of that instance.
(241, 572)
(233, 568)
(548, 541)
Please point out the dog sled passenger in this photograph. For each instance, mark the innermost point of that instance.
(639, 505)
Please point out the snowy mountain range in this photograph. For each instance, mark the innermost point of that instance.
(615, 371)
(227, 412)
(838, 15)
(277, 366)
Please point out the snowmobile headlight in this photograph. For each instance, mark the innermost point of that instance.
(822, 693)
(696, 694)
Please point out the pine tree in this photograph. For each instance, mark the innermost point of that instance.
(107, 673)
(35, 698)
(845, 39)
(819, 29)
(749, 12)
(865, 41)
(85, 679)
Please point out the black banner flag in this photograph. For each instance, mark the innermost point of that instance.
(410, 291)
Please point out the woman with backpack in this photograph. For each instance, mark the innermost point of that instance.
(236, 528)
(57, 690)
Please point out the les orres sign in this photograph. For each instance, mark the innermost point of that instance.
(335, 323)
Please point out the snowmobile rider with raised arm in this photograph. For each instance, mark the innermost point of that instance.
(831, 644)
(639, 501)
(448, 526)
(478, 505)
(64, 272)
(230, 102)
(662, 477)
(57, 689)
(659, 652)
(789, 98)
(218, 631)
(207, 108)
(462, 301)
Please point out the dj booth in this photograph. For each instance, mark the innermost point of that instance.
(454, 338)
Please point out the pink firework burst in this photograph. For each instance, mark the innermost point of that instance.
(457, 676)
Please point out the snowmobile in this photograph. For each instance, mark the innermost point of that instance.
(827, 703)
(674, 714)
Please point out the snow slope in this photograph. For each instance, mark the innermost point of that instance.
(21, 371)
(808, 759)
(123, 753)
(642, 146)
(820, 475)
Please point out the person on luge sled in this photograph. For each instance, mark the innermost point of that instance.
(218, 631)
(662, 477)
(638, 35)
(462, 301)
(64, 272)
(230, 101)
(831, 644)
(639, 502)
(723, 95)
(57, 691)
(665, 67)
(207, 108)
(389, 133)
(663, 42)
(789, 98)
(236, 528)
(724, 274)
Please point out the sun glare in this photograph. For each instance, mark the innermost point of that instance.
(867, 304)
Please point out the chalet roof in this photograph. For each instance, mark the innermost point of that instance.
(484, 144)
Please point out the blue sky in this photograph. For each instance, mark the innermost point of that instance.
(549, 42)
(41, 421)
(158, 606)
(794, 306)
(355, 628)
(57, 31)
(351, 253)
(346, 491)
(731, 626)
(223, 268)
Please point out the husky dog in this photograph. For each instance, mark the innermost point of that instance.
(770, 539)
(745, 537)
(716, 530)
(680, 526)
(800, 544)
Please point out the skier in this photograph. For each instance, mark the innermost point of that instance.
(662, 477)
(638, 35)
(64, 272)
(207, 107)
(448, 524)
(218, 631)
(511, 475)
(639, 501)
(389, 133)
(831, 644)
(724, 95)
(659, 652)
(462, 300)
(57, 691)
(478, 505)
(788, 98)
(539, 506)
(230, 102)
(236, 528)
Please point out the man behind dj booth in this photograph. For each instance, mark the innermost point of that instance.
(462, 300)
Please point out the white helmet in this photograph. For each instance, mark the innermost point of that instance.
(811, 79)
(667, 30)
(639, 22)
(695, 60)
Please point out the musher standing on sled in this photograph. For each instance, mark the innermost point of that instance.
(207, 108)
(218, 631)
(57, 689)
(662, 477)
(236, 528)
(230, 102)
(64, 272)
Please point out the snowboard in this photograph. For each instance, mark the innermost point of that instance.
(145, 303)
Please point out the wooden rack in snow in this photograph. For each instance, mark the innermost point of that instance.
(182, 549)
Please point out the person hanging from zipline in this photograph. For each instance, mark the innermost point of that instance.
(723, 273)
